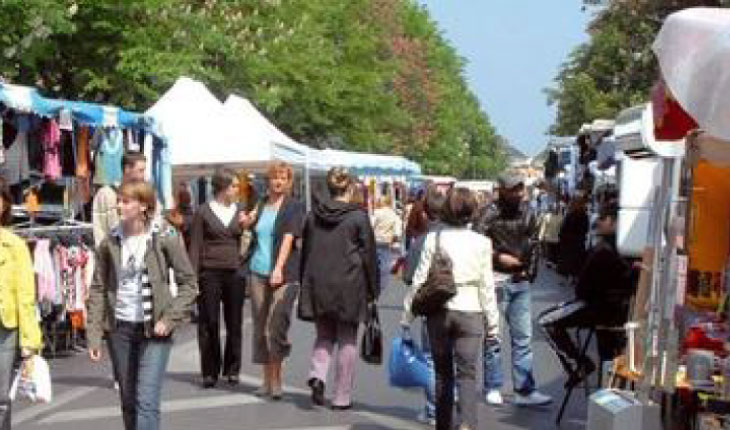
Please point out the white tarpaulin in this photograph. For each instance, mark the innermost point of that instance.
(693, 48)
(257, 139)
(190, 118)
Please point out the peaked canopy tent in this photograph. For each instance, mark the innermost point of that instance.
(190, 119)
(264, 142)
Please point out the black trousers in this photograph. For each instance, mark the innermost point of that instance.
(557, 320)
(216, 286)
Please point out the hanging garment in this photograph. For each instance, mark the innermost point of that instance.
(16, 168)
(44, 270)
(82, 153)
(162, 172)
(109, 156)
(65, 120)
(51, 143)
(32, 202)
(68, 153)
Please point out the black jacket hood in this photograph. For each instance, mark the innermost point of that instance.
(330, 211)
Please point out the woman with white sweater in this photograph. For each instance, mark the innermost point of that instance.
(457, 331)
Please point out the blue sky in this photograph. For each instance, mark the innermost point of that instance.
(514, 49)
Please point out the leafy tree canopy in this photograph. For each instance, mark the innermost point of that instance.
(366, 75)
(616, 68)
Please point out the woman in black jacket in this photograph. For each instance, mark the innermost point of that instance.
(215, 237)
(339, 279)
(273, 266)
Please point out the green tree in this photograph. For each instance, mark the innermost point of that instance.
(616, 68)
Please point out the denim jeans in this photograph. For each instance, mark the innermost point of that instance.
(430, 392)
(514, 300)
(385, 262)
(141, 363)
(8, 355)
(455, 340)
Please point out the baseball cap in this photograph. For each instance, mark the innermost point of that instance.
(510, 180)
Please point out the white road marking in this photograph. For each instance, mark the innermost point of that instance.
(58, 401)
(167, 406)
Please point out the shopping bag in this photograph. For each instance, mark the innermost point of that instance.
(371, 345)
(33, 381)
(407, 365)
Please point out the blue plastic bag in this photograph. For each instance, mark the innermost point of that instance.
(407, 366)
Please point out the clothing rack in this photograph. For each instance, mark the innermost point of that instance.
(58, 335)
(67, 227)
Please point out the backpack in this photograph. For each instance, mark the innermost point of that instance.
(439, 287)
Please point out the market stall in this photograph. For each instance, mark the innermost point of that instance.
(681, 305)
(55, 153)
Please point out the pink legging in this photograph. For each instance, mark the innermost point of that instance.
(345, 335)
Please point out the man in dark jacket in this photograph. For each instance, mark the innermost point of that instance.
(513, 230)
(602, 297)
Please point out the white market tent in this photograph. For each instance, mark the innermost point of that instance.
(190, 119)
(693, 49)
(257, 139)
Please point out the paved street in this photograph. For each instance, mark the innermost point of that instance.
(84, 399)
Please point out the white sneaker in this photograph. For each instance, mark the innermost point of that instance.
(535, 398)
(494, 397)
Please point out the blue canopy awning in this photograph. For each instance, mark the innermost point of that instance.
(29, 100)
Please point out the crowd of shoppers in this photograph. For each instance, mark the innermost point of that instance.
(333, 262)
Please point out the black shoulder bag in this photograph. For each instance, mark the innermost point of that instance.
(439, 287)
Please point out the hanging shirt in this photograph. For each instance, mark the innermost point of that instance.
(262, 255)
(224, 213)
(130, 299)
(16, 168)
(109, 156)
(51, 143)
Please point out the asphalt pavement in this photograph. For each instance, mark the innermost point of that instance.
(85, 399)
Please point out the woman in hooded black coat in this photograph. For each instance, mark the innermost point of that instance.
(339, 279)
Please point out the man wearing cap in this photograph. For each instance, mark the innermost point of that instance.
(512, 227)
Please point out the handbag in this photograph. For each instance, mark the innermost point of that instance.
(247, 236)
(305, 306)
(371, 345)
(439, 287)
(407, 365)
